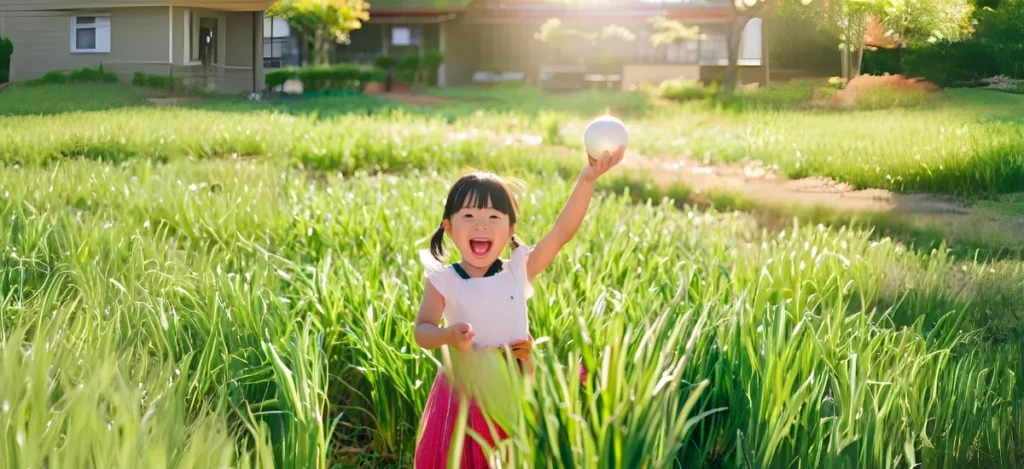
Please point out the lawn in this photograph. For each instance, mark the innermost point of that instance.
(964, 143)
(234, 284)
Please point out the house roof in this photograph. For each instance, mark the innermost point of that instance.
(417, 6)
(672, 8)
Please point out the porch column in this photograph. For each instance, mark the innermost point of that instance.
(440, 46)
(258, 80)
(765, 52)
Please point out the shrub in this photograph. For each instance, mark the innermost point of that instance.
(882, 61)
(6, 47)
(91, 75)
(54, 77)
(433, 58)
(1001, 32)
(950, 63)
(165, 82)
(684, 90)
(277, 77)
(385, 62)
(327, 77)
(6, 50)
(410, 66)
(82, 75)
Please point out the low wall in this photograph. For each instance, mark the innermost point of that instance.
(634, 75)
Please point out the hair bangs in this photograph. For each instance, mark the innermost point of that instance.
(481, 190)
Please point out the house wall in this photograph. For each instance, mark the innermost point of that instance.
(373, 40)
(150, 40)
(244, 43)
(44, 5)
(138, 37)
(635, 75)
(472, 47)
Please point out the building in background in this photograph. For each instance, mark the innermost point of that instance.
(487, 38)
(215, 43)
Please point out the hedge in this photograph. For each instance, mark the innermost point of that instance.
(333, 77)
(6, 51)
(82, 75)
(951, 63)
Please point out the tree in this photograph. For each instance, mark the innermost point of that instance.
(999, 28)
(668, 31)
(905, 22)
(322, 22)
(565, 41)
(848, 20)
(602, 48)
(917, 21)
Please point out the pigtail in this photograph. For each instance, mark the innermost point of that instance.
(516, 242)
(437, 243)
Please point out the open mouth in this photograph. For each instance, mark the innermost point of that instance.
(480, 246)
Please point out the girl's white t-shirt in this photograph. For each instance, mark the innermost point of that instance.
(494, 306)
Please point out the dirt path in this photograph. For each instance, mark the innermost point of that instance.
(754, 182)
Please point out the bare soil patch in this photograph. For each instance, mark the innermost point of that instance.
(755, 182)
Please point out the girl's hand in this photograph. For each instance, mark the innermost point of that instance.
(603, 164)
(462, 336)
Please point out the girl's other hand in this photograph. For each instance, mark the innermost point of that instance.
(462, 336)
(600, 166)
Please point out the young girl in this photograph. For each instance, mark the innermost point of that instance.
(483, 298)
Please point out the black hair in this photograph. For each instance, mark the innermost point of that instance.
(477, 190)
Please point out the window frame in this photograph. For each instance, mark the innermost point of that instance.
(415, 36)
(190, 41)
(103, 33)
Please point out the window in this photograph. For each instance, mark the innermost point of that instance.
(683, 51)
(277, 44)
(405, 36)
(750, 44)
(714, 48)
(90, 34)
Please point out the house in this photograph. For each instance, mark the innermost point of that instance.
(216, 43)
(488, 38)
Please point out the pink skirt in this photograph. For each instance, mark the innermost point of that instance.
(439, 420)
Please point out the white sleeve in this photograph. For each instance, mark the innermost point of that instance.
(434, 270)
(517, 263)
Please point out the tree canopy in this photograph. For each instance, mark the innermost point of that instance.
(322, 22)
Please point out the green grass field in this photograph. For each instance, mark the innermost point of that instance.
(233, 285)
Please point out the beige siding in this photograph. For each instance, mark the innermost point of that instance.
(239, 39)
(224, 5)
(43, 41)
(149, 40)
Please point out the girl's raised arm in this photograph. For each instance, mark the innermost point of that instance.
(572, 215)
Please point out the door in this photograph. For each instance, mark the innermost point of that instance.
(208, 50)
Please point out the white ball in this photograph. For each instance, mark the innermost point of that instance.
(605, 133)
